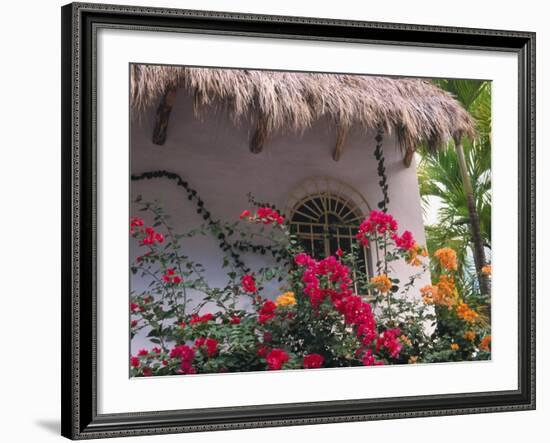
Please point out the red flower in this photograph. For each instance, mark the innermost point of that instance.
(164, 362)
(183, 352)
(389, 339)
(135, 222)
(133, 323)
(262, 351)
(303, 259)
(195, 318)
(134, 362)
(134, 307)
(152, 237)
(211, 346)
(405, 242)
(313, 361)
(267, 311)
(377, 222)
(339, 252)
(170, 277)
(369, 360)
(244, 214)
(147, 372)
(235, 320)
(248, 284)
(143, 352)
(156, 350)
(276, 359)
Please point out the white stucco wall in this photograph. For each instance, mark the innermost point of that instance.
(212, 154)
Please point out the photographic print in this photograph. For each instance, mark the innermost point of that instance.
(300, 220)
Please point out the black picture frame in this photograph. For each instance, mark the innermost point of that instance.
(79, 174)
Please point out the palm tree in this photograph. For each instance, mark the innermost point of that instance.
(465, 215)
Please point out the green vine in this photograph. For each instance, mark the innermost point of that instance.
(232, 249)
(383, 182)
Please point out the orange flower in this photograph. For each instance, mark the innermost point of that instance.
(485, 344)
(447, 258)
(442, 294)
(455, 347)
(286, 299)
(466, 313)
(406, 340)
(381, 282)
(413, 359)
(487, 269)
(469, 335)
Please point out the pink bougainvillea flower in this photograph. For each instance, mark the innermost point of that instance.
(313, 361)
(267, 311)
(156, 350)
(147, 371)
(134, 362)
(405, 241)
(133, 323)
(235, 320)
(377, 222)
(262, 351)
(177, 279)
(244, 214)
(389, 339)
(369, 360)
(143, 352)
(186, 356)
(196, 319)
(249, 284)
(276, 359)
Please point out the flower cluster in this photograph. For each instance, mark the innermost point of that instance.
(313, 361)
(485, 344)
(466, 313)
(447, 258)
(444, 293)
(210, 345)
(286, 299)
(276, 358)
(377, 222)
(185, 355)
(249, 284)
(148, 235)
(327, 277)
(264, 215)
(267, 311)
(389, 340)
(171, 277)
(381, 283)
(197, 319)
(405, 241)
(135, 222)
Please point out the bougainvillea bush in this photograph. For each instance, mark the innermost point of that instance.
(329, 313)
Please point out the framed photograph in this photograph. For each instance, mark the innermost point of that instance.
(273, 221)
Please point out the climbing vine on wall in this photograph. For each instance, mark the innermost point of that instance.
(383, 182)
(232, 249)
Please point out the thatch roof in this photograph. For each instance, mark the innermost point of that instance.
(415, 108)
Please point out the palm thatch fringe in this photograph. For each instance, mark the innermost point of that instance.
(416, 109)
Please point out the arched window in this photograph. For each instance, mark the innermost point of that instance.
(326, 220)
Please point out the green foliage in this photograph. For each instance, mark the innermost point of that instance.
(440, 179)
(320, 320)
